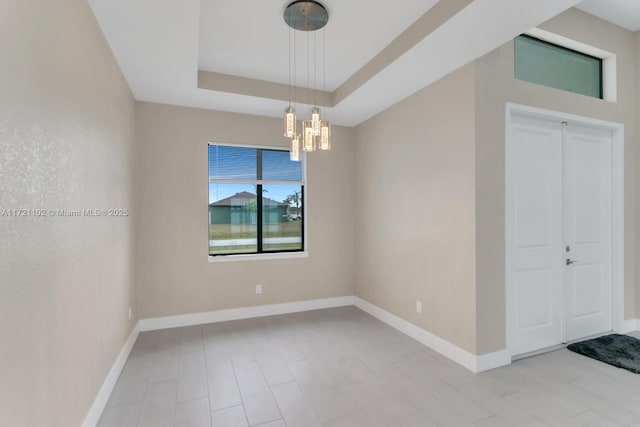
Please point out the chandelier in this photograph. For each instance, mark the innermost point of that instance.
(308, 16)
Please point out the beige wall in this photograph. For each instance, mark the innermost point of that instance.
(415, 227)
(173, 274)
(66, 142)
(495, 85)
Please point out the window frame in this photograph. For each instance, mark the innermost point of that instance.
(600, 60)
(264, 255)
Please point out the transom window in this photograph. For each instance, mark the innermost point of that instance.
(545, 63)
(256, 201)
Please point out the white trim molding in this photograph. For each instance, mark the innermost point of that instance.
(488, 361)
(470, 361)
(258, 257)
(629, 325)
(100, 402)
(241, 313)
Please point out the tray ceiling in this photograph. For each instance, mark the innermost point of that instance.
(233, 56)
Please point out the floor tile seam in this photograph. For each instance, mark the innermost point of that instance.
(181, 402)
(281, 383)
(149, 382)
(587, 410)
(119, 405)
(540, 396)
(595, 411)
(485, 418)
(591, 394)
(269, 388)
(269, 422)
(235, 376)
(445, 403)
(531, 413)
(309, 400)
(206, 374)
(174, 402)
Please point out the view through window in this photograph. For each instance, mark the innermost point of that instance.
(256, 201)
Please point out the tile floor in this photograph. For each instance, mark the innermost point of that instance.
(341, 367)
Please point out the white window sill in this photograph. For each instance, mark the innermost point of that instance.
(258, 257)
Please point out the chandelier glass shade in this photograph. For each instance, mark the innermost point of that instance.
(308, 136)
(325, 135)
(289, 122)
(307, 16)
(294, 150)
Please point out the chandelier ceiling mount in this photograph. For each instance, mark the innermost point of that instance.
(306, 15)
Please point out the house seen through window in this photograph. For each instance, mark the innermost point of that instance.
(256, 201)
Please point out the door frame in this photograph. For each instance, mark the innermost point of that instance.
(617, 213)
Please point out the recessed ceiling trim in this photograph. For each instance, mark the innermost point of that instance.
(468, 35)
(262, 89)
(431, 20)
(158, 54)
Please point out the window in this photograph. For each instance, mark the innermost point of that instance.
(555, 66)
(256, 201)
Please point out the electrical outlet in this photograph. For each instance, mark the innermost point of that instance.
(129, 312)
(419, 307)
(258, 289)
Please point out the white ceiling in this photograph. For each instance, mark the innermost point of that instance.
(161, 44)
(256, 46)
(624, 13)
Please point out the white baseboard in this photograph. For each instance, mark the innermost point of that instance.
(468, 360)
(102, 398)
(241, 313)
(630, 325)
(100, 402)
(489, 361)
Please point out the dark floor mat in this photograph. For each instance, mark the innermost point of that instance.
(621, 351)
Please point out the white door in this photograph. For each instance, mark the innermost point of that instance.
(535, 249)
(587, 231)
(559, 190)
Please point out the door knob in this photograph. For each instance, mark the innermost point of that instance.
(570, 261)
